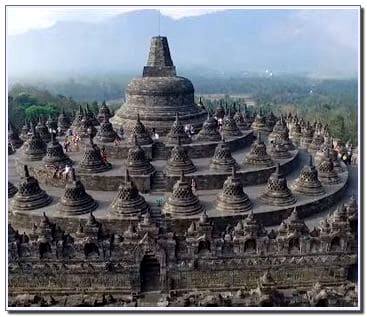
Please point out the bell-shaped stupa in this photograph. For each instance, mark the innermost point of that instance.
(209, 132)
(55, 155)
(232, 198)
(34, 149)
(159, 94)
(277, 192)
(75, 200)
(177, 131)
(136, 161)
(222, 160)
(141, 133)
(179, 161)
(29, 196)
(182, 201)
(128, 202)
(308, 183)
(106, 133)
(258, 155)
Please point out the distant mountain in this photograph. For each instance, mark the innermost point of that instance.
(224, 43)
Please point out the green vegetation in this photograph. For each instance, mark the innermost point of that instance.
(330, 101)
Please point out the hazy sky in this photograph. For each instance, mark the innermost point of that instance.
(23, 19)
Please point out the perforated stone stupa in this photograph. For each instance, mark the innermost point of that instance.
(209, 132)
(179, 161)
(182, 201)
(308, 183)
(177, 131)
(92, 160)
(106, 132)
(141, 133)
(128, 202)
(136, 161)
(277, 192)
(55, 155)
(29, 196)
(12, 190)
(223, 160)
(232, 198)
(75, 200)
(258, 155)
(159, 94)
(34, 149)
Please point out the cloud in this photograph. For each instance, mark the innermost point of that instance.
(23, 19)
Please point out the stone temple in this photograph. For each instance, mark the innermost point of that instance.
(260, 215)
(159, 94)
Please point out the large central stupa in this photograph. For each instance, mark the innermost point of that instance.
(159, 94)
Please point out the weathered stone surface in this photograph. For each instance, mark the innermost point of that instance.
(29, 196)
(327, 173)
(34, 149)
(232, 198)
(177, 131)
(308, 183)
(103, 112)
(277, 192)
(13, 136)
(128, 202)
(92, 160)
(259, 124)
(43, 131)
(230, 128)
(75, 200)
(55, 155)
(136, 162)
(222, 160)
(279, 150)
(159, 94)
(141, 133)
(209, 131)
(179, 161)
(12, 190)
(258, 155)
(182, 201)
(106, 133)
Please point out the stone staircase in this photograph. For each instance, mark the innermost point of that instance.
(159, 151)
(159, 183)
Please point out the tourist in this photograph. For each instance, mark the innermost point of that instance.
(187, 129)
(192, 130)
(67, 171)
(66, 144)
(121, 132)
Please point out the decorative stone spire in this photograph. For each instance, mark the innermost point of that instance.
(24, 135)
(63, 121)
(177, 130)
(29, 196)
(106, 132)
(182, 201)
(12, 190)
(279, 129)
(230, 128)
(232, 198)
(258, 155)
(220, 112)
(13, 136)
(259, 123)
(91, 116)
(136, 162)
(307, 135)
(296, 132)
(292, 226)
(279, 150)
(159, 60)
(75, 200)
(141, 133)
(222, 160)
(271, 120)
(128, 202)
(51, 123)
(92, 160)
(240, 119)
(308, 183)
(34, 149)
(55, 155)
(209, 132)
(179, 161)
(277, 192)
(86, 127)
(316, 143)
(78, 118)
(327, 173)
(103, 112)
(42, 130)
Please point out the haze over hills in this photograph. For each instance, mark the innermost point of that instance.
(319, 43)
